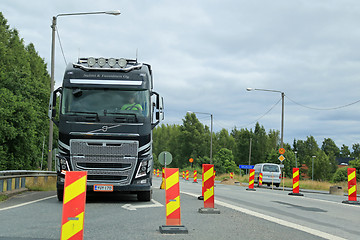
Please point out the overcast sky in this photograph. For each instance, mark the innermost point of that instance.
(205, 53)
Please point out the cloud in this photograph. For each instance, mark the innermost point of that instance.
(204, 54)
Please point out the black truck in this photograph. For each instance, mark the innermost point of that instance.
(107, 112)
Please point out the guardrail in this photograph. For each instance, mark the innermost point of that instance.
(16, 179)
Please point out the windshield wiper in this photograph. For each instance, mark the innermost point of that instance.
(90, 113)
(124, 114)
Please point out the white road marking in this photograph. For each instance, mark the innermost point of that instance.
(274, 220)
(132, 207)
(27, 203)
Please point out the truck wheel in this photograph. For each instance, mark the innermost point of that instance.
(60, 194)
(144, 196)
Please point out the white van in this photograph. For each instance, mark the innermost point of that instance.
(271, 173)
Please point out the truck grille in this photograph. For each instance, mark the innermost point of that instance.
(105, 160)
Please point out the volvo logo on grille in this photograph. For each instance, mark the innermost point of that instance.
(105, 128)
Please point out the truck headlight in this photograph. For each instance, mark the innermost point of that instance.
(142, 169)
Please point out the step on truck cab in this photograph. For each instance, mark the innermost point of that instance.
(107, 112)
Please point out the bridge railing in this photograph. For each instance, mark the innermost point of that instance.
(17, 179)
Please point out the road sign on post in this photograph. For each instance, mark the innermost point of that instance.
(165, 158)
(282, 151)
(246, 166)
(281, 158)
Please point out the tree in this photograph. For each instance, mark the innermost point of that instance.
(344, 152)
(329, 147)
(224, 161)
(356, 150)
(24, 92)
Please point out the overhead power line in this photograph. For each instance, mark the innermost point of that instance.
(262, 115)
(323, 109)
(62, 50)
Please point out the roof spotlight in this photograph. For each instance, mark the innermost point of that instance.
(101, 62)
(91, 61)
(111, 62)
(122, 62)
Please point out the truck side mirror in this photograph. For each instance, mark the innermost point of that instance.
(52, 105)
(159, 106)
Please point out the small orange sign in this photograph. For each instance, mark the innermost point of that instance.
(282, 150)
(191, 160)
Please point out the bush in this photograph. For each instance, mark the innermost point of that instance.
(340, 175)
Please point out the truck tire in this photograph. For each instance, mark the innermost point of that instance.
(60, 194)
(144, 196)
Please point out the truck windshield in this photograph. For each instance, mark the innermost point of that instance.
(105, 102)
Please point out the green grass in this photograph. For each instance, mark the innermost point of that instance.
(3, 197)
(41, 185)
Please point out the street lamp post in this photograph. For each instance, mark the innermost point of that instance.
(211, 131)
(282, 110)
(52, 83)
(312, 168)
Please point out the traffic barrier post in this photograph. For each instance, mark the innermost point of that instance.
(260, 179)
(195, 177)
(73, 212)
(231, 175)
(172, 200)
(296, 181)
(351, 187)
(187, 175)
(162, 185)
(251, 180)
(209, 199)
(157, 173)
(183, 174)
(202, 184)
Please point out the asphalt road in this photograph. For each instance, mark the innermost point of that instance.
(261, 214)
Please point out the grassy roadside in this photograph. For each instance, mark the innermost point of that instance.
(41, 185)
(31, 185)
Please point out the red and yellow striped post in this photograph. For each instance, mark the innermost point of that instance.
(154, 172)
(187, 175)
(162, 185)
(260, 179)
(202, 184)
(251, 180)
(157, 173)
(195, 176)
(183, 174)
(296, 181)
(351, 186)
(172, 200)
(208, 183)
(73, 213)
(231, 175)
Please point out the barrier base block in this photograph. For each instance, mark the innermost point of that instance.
(201, 197)
(296, 194)
(173, 229)
(251, 189)
(209, 210)
(351, 202)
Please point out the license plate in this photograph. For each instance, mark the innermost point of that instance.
(103, 188)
